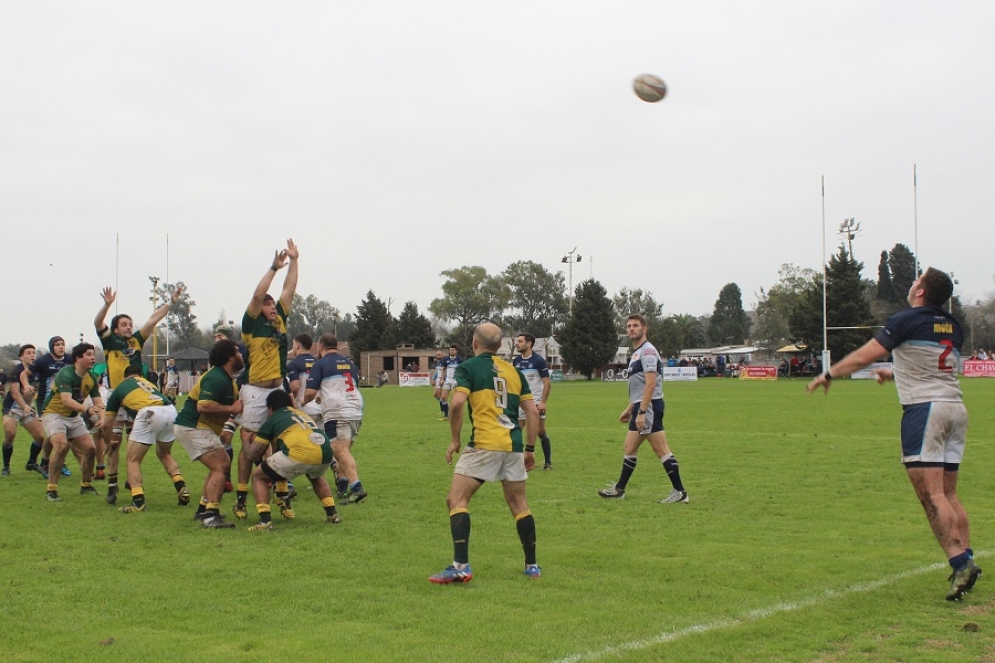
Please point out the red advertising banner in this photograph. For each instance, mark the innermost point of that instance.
(758, 372)
(977, 368)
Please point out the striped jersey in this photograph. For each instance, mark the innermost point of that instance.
(494, 389)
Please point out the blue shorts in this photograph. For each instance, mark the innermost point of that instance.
(654, 418)
(933, 434)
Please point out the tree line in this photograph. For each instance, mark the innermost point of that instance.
(589, 324)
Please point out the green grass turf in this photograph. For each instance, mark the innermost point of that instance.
(803, 542)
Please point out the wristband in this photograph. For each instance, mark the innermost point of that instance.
(530, 448)
(274, 268)
(640, 411)
(827, 377)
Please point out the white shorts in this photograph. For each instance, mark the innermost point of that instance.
(71, 427)
(485, 465)
(934, 433)
(198, 441)
(449, 384)
(254, 412)
(289, 469)
(154, 424)
(342, 429)
(19, 415)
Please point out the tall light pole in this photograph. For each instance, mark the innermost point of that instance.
(849, 229)
(569, 259)
(155, 332)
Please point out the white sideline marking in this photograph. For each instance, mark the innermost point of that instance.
(751, 616)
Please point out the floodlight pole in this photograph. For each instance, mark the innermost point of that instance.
(915, 216)
(569, 258)
(155, 330)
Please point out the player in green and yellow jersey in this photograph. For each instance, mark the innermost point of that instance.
(199, 424)
(122, 348)
(493, 390)
(154, 415)
(300, 447)
(64, 426)
(264, 333)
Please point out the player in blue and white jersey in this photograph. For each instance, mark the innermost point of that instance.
(536, 373)
(45, 368)
(925, 342)
(449, 365)
(438, 373)
(645, 414)
(17, 409)
(336, 380)
(298, 371)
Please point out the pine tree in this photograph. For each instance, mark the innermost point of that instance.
(886, 289)
(729, 323)
(589, 339)
(373, 322)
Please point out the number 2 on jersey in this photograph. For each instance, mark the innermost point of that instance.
(948, 347)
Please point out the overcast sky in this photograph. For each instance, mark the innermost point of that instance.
(393, 140)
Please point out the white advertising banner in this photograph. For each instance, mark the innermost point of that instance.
(406, 379)
(680, 374)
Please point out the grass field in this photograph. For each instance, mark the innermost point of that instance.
(803, 542)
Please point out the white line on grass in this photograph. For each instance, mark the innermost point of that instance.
(751, 616)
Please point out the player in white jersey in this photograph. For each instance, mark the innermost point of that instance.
(448, 368)
(645, 414)
(536, 373)
(437, 375)
(925, 342)
(336, 380)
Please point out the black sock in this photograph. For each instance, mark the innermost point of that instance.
(527, 534)
(342, 485)
(138, 500)
(544, 440)
(8, 452)
(674, 472)
(445, 409)
(241, 496)
(628, 467)
(33, 454)
(459, 524)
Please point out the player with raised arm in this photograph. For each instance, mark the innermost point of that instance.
(645, 414)
(925, 342)
(264, 333)
(122, 346)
